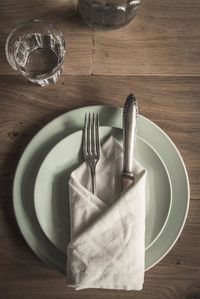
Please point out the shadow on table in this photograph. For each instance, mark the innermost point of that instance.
(9, 164)
(24, 195)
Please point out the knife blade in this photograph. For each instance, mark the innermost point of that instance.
(130, 116)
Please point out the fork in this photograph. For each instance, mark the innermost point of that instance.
(91, 145)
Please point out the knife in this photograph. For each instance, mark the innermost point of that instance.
(130, 117)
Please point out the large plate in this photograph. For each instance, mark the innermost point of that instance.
(49, 136)
(51, 188)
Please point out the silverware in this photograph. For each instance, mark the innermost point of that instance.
(91, 145)
(130, 116)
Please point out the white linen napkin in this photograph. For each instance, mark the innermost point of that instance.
(107, 247)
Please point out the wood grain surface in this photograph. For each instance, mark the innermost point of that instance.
(162, 40)
(157, 58)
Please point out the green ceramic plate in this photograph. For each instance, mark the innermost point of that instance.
(70, 122)
(51, 188)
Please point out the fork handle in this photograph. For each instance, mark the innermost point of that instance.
(93, 179)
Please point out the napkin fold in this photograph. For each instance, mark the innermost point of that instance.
(107, 247)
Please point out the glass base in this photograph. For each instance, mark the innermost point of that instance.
(46, 81)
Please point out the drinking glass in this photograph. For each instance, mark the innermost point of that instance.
(108, 14)
(36, 49)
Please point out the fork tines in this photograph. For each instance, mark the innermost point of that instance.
(91, 135)
(91, 145)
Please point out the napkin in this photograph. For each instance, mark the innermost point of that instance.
(107, 247)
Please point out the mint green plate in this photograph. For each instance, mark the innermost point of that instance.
(70, 122)
(51, 195)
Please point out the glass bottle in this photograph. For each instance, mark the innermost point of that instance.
(108, 14)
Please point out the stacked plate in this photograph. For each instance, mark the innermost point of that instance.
(40, 190)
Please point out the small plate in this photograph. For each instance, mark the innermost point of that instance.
(51, 187)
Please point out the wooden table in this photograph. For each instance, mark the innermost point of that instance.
(157, 57)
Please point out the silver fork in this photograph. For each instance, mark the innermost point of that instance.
(91, 145)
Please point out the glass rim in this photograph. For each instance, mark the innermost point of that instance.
(20, 25)
(32, 21)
